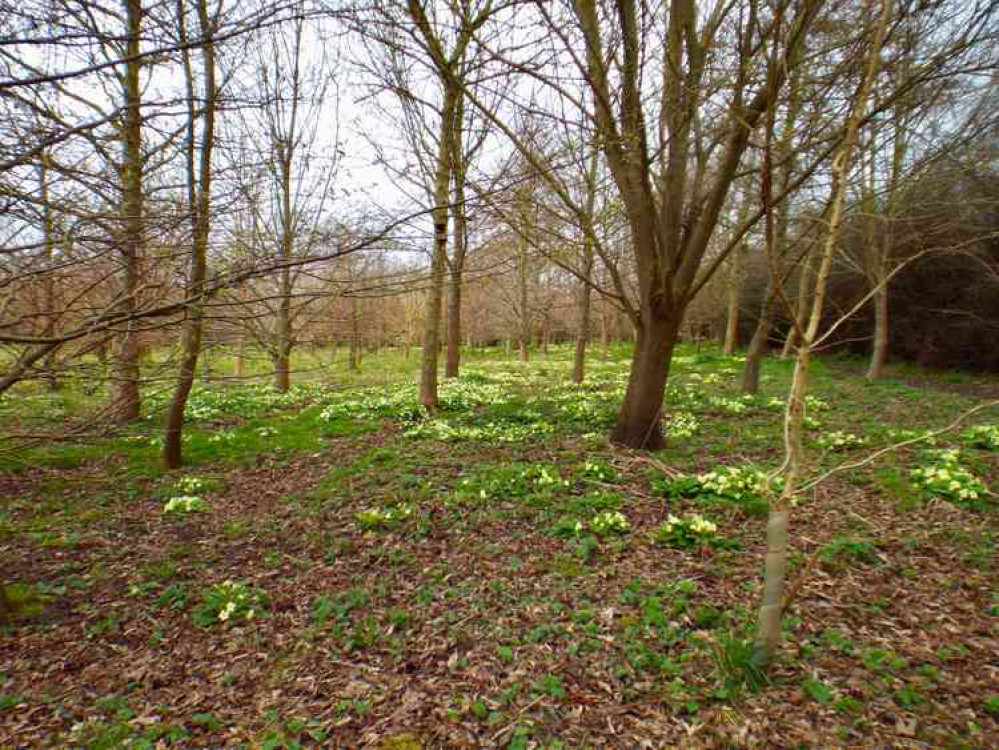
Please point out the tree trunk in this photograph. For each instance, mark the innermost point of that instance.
(638, 424)
(525, 315)
(199, 199)
(49, 301)
(583, 328)
(282, 363)
(431, 333)
(238, 359)
(758, 345)
(879, 354)
(801, 304)
(459, 169)
(282, 368)
(207, 372)
(605, 332)
(453, 357)
(735, 281)
(354, 350)
(768, 627)
(126, 401)
(438, 267)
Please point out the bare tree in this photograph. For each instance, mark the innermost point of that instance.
(768, 627)
(199, 204)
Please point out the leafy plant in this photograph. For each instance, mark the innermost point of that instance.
(383, 518)
(186, 504)
(838, 440)
(849, 550)
(734, 659)
(818, 691)
(230, 602)
(610, 522)
(567, 527)
(599, 471)
(189, 486)
(982, 436)
(690, 532)
(948, 479)
(743, 486)
(550, 685)
(681, 425)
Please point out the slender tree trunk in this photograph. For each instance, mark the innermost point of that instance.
(48, 226)
(757, 350)
(282, 359)
(768, 627)
(438, 268)
(354, 350)
(882, 258)
(284, 146)
(879, 353)
(199, 199)
(457, 265)
(126, 401)
(523, 274)
(239, 357)
(207, 373)
(605, 332)
(800, 305)
(583, 326)
(431, 333)
(453, 356)
(585, 293)
(282, 363)
(735, 281)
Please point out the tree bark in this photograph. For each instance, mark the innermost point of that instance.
(735, 281)
(583, 326)
(800, 305)
(199, 198)
(49, 301)
(354, 350)
(879, 352)
(452, 362)
(768, 626)
(126, 401)
(757, 350)
(523, 276)
(239, 355)
(882, 256)
(639, 421)
(438, 267)
(283, 345)
(605, 332)
(457, 265)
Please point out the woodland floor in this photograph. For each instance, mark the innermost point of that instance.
(475, 616)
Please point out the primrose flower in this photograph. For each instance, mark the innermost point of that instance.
(186, 504)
